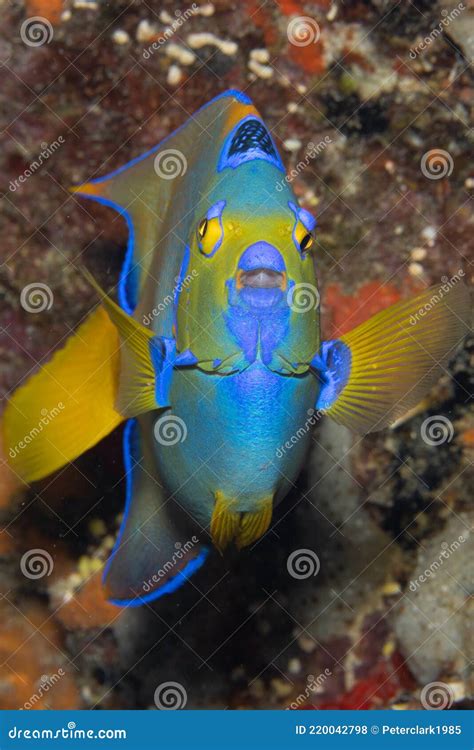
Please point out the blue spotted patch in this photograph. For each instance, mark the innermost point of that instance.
(249, 140)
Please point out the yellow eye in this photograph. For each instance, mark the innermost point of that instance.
(210, 230)
(202, 228)
(210, 235)
(306, 243)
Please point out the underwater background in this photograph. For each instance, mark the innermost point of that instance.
(370, 103)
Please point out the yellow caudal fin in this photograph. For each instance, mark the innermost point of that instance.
(393, 359)
(224, 522)
(68, 406)
(254, 525)
(228, 525)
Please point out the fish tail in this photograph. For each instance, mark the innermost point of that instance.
(68, 405)
(228, 525)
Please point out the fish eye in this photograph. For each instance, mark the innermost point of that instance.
(303, 226)
(210, 230)
(306, 243)
(202, 228)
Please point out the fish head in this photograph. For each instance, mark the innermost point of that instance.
(247, 262)
(274, 260)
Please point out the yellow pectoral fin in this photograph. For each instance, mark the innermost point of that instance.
(136, 393)
(397, 356)
(69, 405)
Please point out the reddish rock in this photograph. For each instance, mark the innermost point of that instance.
(50, 9)
(88, 608)
(35, 672)
(309, 58)
(382, 687)
(342, 312)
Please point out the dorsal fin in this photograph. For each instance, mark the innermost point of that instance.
(151, 190)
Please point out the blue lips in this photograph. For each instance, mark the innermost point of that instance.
(262, 255)
(258, 313)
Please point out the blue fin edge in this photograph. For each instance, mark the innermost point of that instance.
(170, 587)
(128, 297)
(178, 580)
(127, 290)
(239, 95)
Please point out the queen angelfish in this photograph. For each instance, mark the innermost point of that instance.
(213, 355)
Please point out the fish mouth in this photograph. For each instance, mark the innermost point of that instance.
(261, 278)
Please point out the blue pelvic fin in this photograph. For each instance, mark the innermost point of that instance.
(374, 375)
(156, 550)
(333, 365)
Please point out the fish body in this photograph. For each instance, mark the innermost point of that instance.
(234, 431)
(212, 356)
(242, 401)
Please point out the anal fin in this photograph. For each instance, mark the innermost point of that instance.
(157, 549)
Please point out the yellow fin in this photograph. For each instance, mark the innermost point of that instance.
(399, 354)
(68, 406)
(254, 525)
(136, 392)
(243, 528)
(224, 522)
